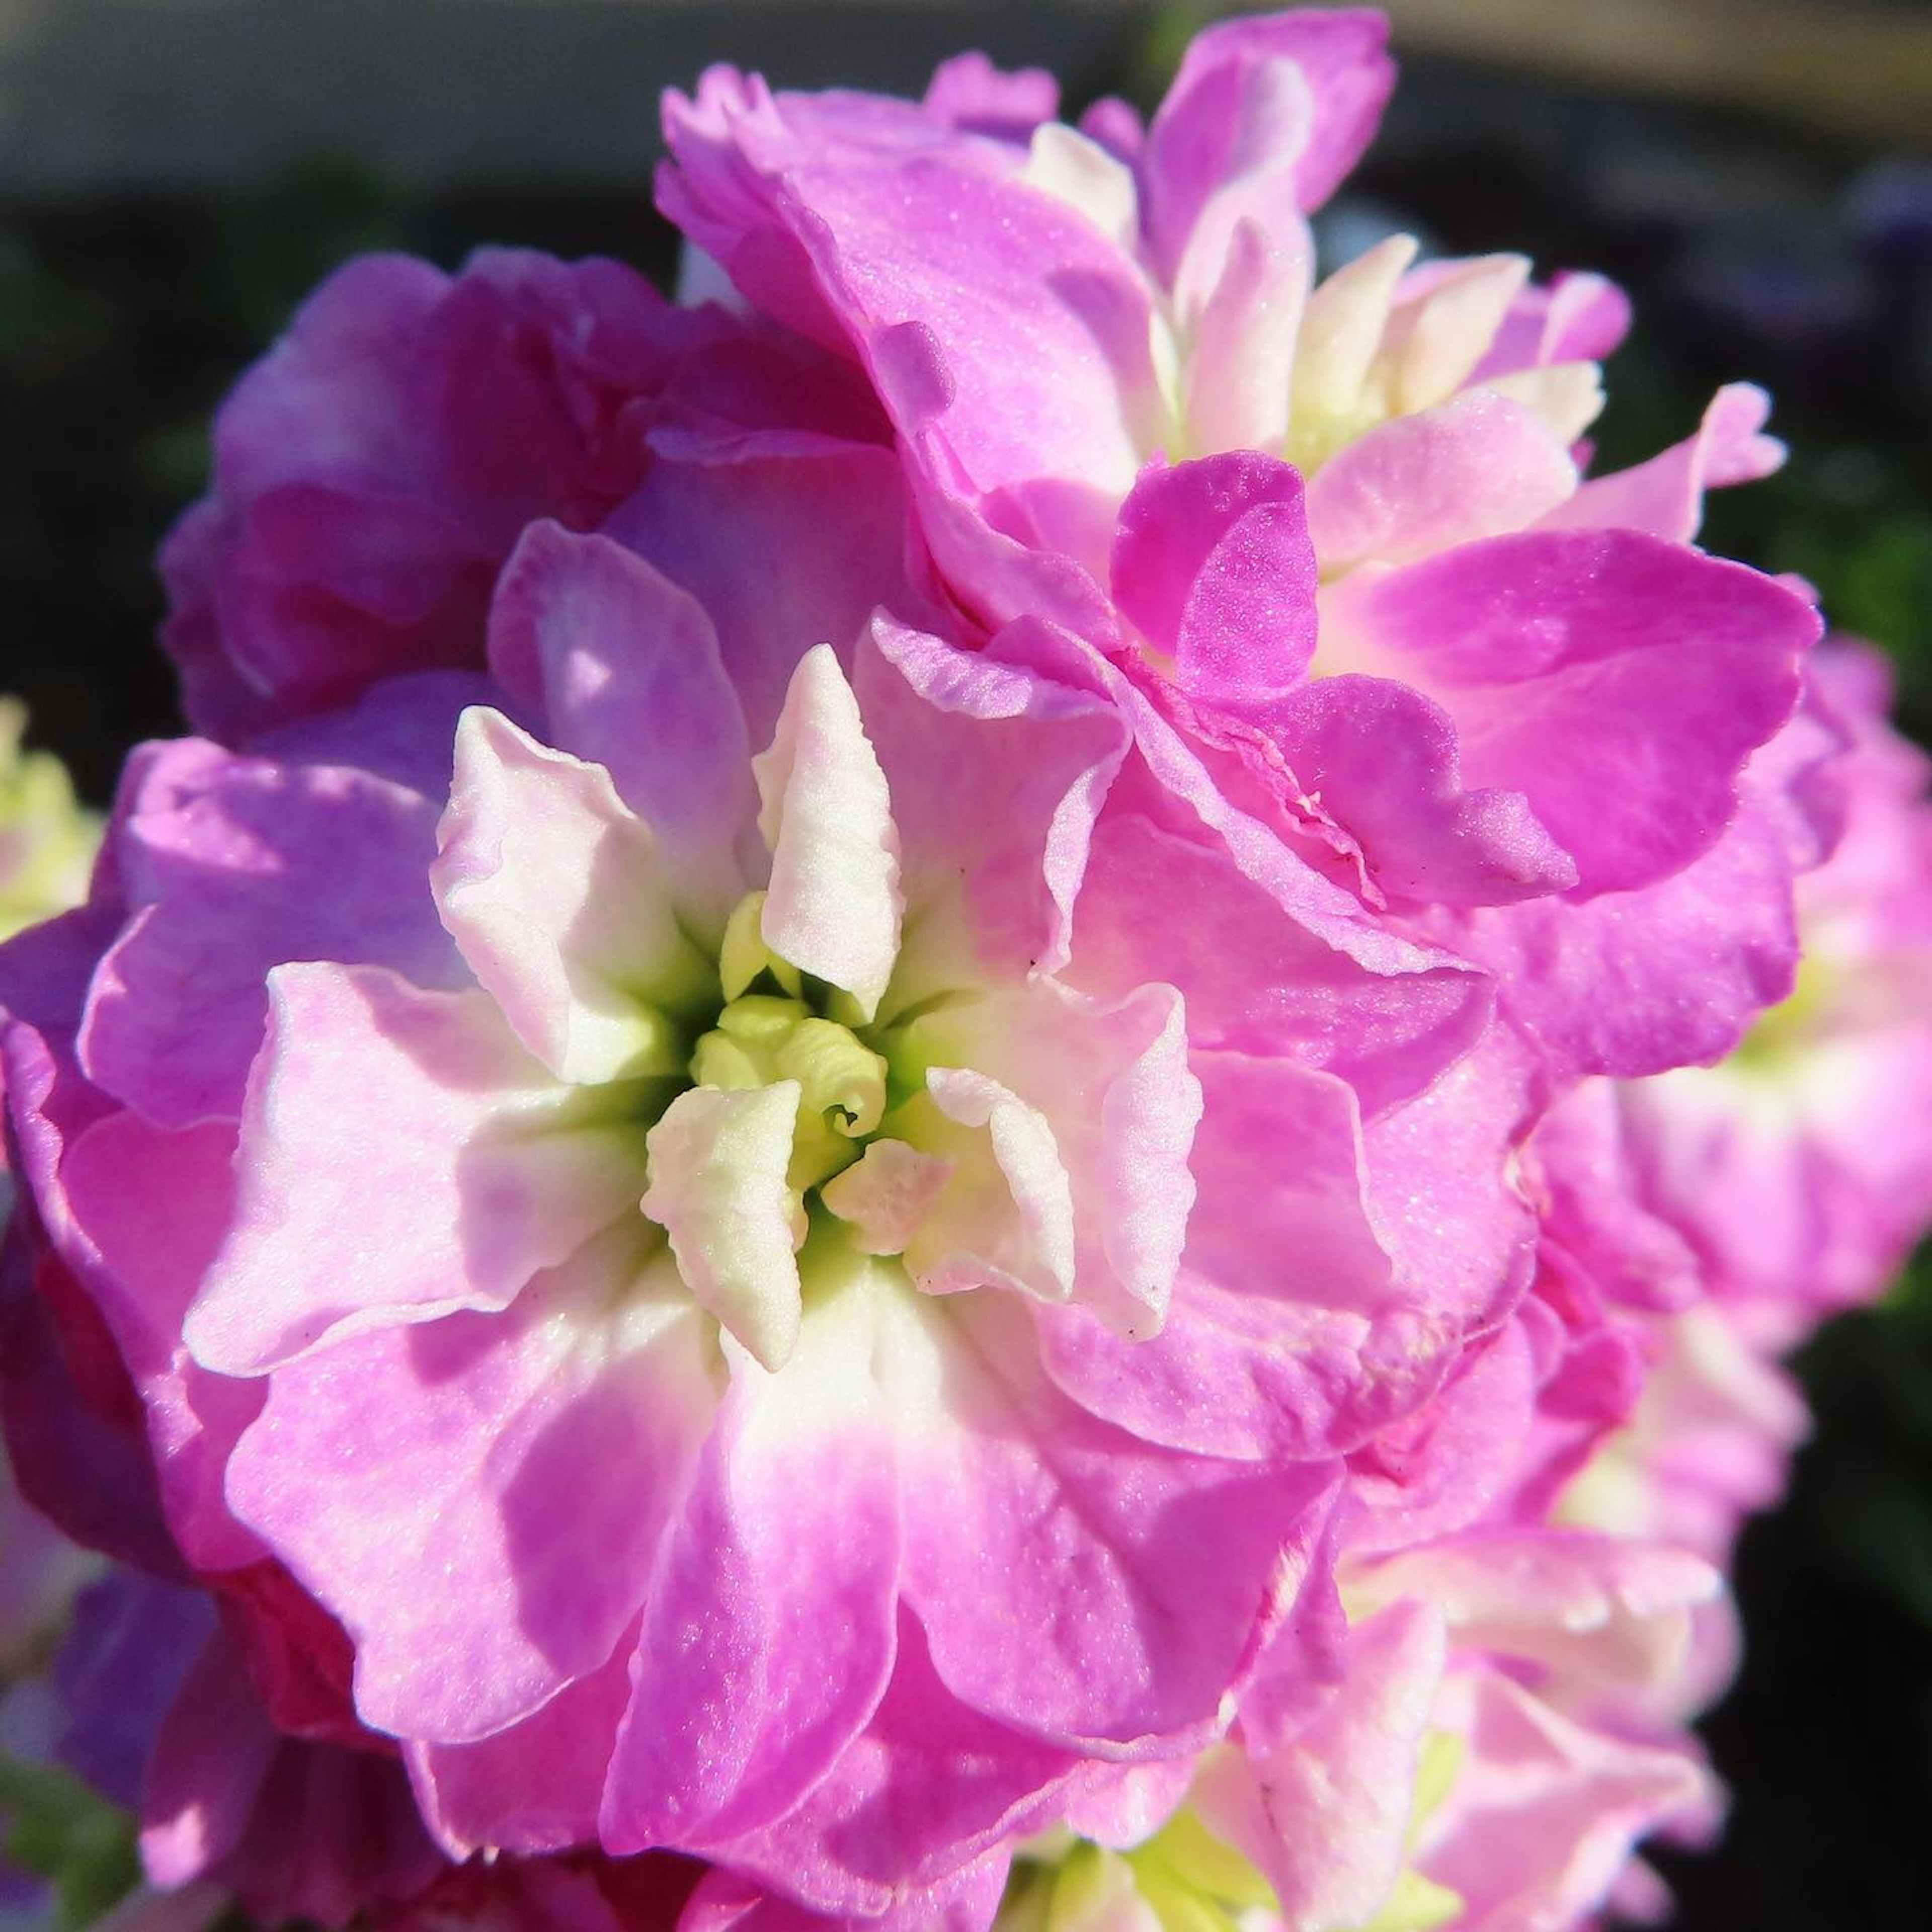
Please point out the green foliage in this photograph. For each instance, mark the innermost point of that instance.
(83, 1846)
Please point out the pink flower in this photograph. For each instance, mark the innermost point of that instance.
(374, 472)
(963, 1173)
(1468, 1767)
(1337, 533)
(884, 1016)
(1799, 1171)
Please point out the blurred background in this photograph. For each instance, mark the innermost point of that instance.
(175, 174)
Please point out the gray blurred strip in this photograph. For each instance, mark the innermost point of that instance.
(101, 94)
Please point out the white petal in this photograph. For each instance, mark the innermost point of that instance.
(718, 1188)
(1064, 164)
(834, 905)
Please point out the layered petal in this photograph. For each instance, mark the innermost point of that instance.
(1617, 682)
(491, 1419)
(494, 1171)
(560, 902)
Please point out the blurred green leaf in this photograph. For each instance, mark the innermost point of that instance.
(61, 1831)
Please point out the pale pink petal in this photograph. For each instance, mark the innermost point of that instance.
(1445, 316)
(1286, 1336)
(1092, 1110)
(768, 1634)
(436, 1534)
(1475, 466)
(885, 1195)
(950, 724)
(1543, 1812)
(491, 1170)
(1325, 1816)
(1242, 355)
(1006, 1217)
(624, 668)
(561, 904)
(1256, 978)
(1599, 1611)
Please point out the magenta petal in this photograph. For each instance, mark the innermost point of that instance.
(1255, 979)
(488, 1176)
(1665, 495)
(933, 257)
(1388, 766)
(1616, 681)
(964, 1901)
(219, 854)
(75, 1447)
(1212, 561)
(1011, 1479)
(971, 93)
(625, 666)
(156, 1207)
(436, 1537)
(373, 470)
(535, 1786)
(930, 1790)
(783, 548)
(1443, 1196)
(205, 1775)
(294, 1831)
(1635, 983)
(768, 1637)
(1323, 1296)
(1190, 142)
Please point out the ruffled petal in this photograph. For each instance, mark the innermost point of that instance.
(835, 901)
(560, 902)
(492, 1171)
(436, 1537)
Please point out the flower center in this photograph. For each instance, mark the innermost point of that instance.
(798, 1108)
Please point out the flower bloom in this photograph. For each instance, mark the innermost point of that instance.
(871, 1135)
(1339, 533)
(1466, 1769)
(806, 1179)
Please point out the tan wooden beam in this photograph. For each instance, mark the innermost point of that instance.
(1845, 67)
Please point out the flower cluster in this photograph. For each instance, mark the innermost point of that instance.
(967, 1088)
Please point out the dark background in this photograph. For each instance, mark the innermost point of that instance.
(175, 174)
